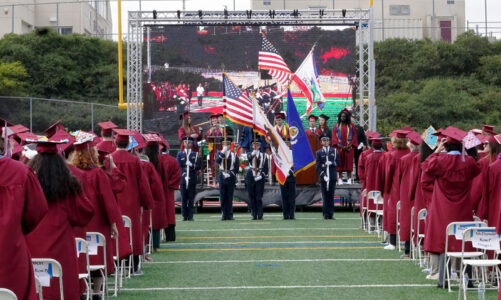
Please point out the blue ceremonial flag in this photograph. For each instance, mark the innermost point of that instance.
(301, 152)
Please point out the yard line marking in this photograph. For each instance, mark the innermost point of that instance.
(270, 248)
(291, 242)
(280, 260)
(269, 237)
(271, 245)
(267, 229)
(337, 286)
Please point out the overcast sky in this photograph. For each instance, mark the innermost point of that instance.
(474, 9)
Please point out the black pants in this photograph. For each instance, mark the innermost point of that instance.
(288, 192)
(170, 233)
(200, 98)
(187, 198)
(255, 191)
(226, 189)
(356, 157)
(328, 197)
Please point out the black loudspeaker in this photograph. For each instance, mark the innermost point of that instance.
(265, 74)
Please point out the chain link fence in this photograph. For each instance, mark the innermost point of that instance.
(39, 113)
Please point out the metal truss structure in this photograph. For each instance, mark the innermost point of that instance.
(361, 19)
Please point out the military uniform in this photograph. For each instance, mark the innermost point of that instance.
(255, 179)
(288, 193)
(327, 159)
(228, 164)
(190, 163)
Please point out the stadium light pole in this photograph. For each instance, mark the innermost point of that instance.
(485, 7)
(382, 18)
(121, 104)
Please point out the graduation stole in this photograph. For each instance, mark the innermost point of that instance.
(283, 132)
(349, 135)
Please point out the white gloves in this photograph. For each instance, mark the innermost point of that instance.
(328, 163)
(224, 149)
(226, 175)
(326, 179)
(255, 152)
(258, 177)
(188, 163)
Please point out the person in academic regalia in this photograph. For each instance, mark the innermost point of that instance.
(137, 193)
(255, 179)
(189, 163)
(344, 138)
(68, 207)
(323, 126)
(362, 145)
(106, 145)
(408, 182)
(186, 130)
(170, 173)
(373, 176)
(392, 185)
(312, 123)
(288, 190)
(228, 164)
(492, 192)
(486, 209)
(23, 208)
(361, 170)
(214, 137)
(327, 159)
(453, 174)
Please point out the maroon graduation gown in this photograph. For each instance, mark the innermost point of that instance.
(23, 207)
(362, 174)
(408, 181)
(54, 238)
(479, 202)
(347, 132)
(169, 171)
(157, 191)
(182, 133)
(451, 197)
(136, 194)
(374, 174)
(392, 188)
(492, 192)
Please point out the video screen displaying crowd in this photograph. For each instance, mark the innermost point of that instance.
(61, 186)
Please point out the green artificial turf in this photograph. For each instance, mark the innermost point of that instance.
(307, 258)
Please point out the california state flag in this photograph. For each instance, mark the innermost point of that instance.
(306, 80)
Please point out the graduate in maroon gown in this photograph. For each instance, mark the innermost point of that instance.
(23, 207)
(362, 168)
(492, 192)
(488, 207)
(392, 184)
(187, 129)
(68, 207)
(312, 123)
(323, 126)
(344, 138)
(169, 171)
(453, 174)
(374, 172)
(409, 163)
(99, 191)
(137, 193)
(214, 137)
(106, 145)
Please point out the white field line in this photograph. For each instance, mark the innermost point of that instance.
(279, 260)
(338, 286)
(266, 229)
(291, 242)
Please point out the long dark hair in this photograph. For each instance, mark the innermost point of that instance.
(348, 118)
(425, 151)
(152, 151)
(54, 177)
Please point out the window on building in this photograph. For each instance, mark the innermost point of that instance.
(400, 10)
(66, 30)
(450, 1)
(266, 2)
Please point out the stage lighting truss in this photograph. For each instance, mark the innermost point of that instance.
(360, 19)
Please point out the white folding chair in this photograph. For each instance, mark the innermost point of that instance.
(398, 227)
(412, 234)
(483, 239)
(81, 246)
(377, 212)
(6, 294)
(47, 268)
(150, 236)
(128, 224)
(94, 241)
(38, 288)
(119, 265)
(420, 236)
(457, 229)
(363, 208)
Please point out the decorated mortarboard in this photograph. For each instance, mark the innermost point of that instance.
(488, 129)
(498, 138)
(18, 129)
(414, 137)
(151, 139)
(46, 145)
(107, 127)
(326, 118)
(122, 134)
(280, 115)
(54, 128)
(84, 140)
(140, 144)
(471, 141)
(429, 138)
(184, 115)
(312, 117)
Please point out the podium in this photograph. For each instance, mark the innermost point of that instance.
(309, 176)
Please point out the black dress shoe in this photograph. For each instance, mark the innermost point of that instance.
(286, 218)
(230, 219)
(254, 218)
(260, 218)
(223, 219)
(185, 219)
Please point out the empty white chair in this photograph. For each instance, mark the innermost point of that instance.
(47, 268)
(128, 224)
(363, 209)
(457, 229)
(398, 226)
(420, 236)
(6, 294)
(94, 241)
(82, 248)
(375, 198)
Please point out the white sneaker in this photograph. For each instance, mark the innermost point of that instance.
(432, 277)
(340, 181)
(349, 181)
(389, 247)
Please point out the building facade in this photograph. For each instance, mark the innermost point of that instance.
(413, 19)
(67, 17)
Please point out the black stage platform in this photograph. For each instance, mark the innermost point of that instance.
(305, 195)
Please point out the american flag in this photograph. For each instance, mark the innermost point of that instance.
(269, 59)
(237, 106)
